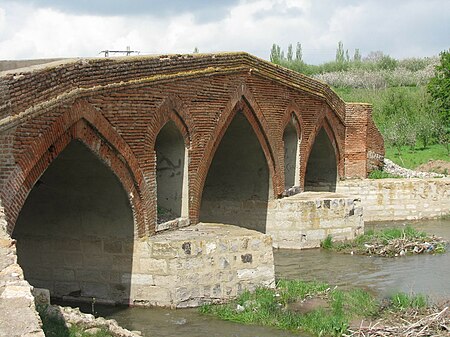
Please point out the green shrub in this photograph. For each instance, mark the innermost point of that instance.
(327, 243)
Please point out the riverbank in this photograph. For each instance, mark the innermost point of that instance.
(323, 310)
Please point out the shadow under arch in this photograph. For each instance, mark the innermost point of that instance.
(237, 186)
(172, 111)
(84, 123)
(322, 166)
(171, 174)
(75, 231)
(292, 137)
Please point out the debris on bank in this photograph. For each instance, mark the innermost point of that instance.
(402, 247)
(410, 323)
(391, 242)
(392, 168)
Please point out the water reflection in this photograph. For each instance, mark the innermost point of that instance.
(427, 274)
(189, 323)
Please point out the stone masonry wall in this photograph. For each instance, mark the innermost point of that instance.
(400, 199)
(18, 316)
(306, 219)
(200, 264)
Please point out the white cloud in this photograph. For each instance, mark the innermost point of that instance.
(408, 28)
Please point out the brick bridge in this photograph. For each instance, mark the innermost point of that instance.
(179, 138)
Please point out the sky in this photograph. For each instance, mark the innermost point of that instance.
(31, 29)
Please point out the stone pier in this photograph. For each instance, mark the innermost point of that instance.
(306, 219)
(200, 264)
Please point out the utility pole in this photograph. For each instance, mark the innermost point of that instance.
(127, 52)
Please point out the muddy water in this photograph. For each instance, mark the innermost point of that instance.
(186, 323)
(426, 274)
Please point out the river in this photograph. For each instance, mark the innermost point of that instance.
(427, 274)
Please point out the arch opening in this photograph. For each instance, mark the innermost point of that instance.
(171, 174)
(291, 143)
(237, 186)
(75, 232)
(321, 170)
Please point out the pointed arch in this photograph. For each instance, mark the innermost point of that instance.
(291, 156)
(81, 122)
(322, 125)
(259, 126)
(173, 110)
(291, 148)
(171, 174)
(292, 113)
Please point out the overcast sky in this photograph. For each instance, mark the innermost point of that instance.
(70, 28)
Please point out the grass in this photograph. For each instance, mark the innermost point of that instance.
(384, 238)
(411, 158)
(378, 174)
(388, 234)
(402, 301)
(271, 308)
(56, 327)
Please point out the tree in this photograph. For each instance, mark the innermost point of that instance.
(195, 51)
(290, 53)
(387, 63)
(275, 54)
(399, 128)
(427, 120)
(298, 53)
(340, 53)
(439, 89)
(357, 56)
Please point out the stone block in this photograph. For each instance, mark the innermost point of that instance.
(65, 288)
(63, 274)
(92, 275)
(165, 249)
(41, 296)
(95, 289)
(153, 266)
(91, 245)
(138, 279)
(112, 246)
(73, 260)
(65, 244)
(99, 261)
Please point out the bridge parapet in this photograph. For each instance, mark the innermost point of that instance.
(25, 92)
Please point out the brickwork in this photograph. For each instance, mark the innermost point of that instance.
(117, 107)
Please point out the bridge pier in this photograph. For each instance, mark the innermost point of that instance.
(304, 220)
(204, 263)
